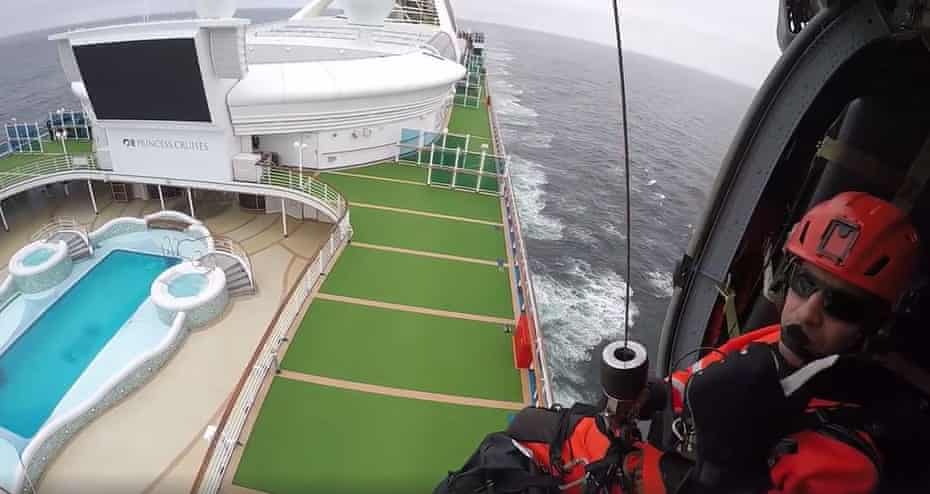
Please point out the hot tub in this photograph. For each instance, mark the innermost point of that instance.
(196, 290)
(40, 266)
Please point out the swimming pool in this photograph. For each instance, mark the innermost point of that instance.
(40, 366)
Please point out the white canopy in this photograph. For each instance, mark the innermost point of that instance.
(308, 82)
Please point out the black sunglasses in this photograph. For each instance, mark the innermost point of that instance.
(839, 304)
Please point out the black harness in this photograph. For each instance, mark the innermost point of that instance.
(500, 465)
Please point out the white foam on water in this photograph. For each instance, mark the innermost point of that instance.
(505, 98)
(528, 181)
(536, 140)
(498, 54)
(579, 311)
(651, 182)
(579, 232)
(614, 230)
(662, 282)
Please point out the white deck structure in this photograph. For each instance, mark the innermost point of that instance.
(313, 92)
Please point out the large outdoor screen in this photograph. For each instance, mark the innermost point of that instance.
(144, 80)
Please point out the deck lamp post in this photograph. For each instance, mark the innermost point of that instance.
(300, 146)
(61, 133)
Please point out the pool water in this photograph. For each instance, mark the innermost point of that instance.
(37, 257)
(187, 285)
(44, 362)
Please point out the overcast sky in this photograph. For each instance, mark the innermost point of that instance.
(733, 39)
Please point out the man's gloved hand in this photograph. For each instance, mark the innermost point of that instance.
(740, 408)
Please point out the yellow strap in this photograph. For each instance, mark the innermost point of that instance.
(729, 309)
(854, 159)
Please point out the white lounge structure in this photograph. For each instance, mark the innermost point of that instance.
(214, 103)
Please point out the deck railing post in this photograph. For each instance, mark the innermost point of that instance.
(420, 143)
(429, 169)
(455, 169)
(93, 200)
(3, 218)
(161, 197)
(484, 155)
(284, 216)
(190, 202)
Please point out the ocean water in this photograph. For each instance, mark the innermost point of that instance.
(559, 106)
(558, 102)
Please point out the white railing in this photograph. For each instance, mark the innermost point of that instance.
(44, 167)
(512, 216)
(414, 14)
(307, 184)
(57, 225)
(43, 171)
(230, 247)
(228, 432)
(343, 32)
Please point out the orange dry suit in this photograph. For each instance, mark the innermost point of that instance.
(826, 454)
(575, 451)
(547, 451)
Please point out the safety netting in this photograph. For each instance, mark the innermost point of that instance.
(453, 160)
(457, 161)
(471, 89)
(23, 138)
(68, 124)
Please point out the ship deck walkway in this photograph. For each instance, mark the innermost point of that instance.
(404, 360)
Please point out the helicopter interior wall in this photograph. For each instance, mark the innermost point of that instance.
(878, 104)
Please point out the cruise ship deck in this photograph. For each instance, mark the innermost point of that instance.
(383, 319)
(404, 358)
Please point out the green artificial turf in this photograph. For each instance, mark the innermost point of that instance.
(426, 233)
(412, 173)
(405, 350)
(421, 281)
(474, 121)
(314, 439)
(416, 197)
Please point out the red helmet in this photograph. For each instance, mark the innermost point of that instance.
(860, 239)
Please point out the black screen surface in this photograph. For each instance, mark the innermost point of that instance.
(144, 80)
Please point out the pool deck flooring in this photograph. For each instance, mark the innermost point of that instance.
(152, 442)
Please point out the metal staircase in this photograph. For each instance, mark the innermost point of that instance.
(235, 262)
(78, 247)
(69, 231)
(238, 281)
